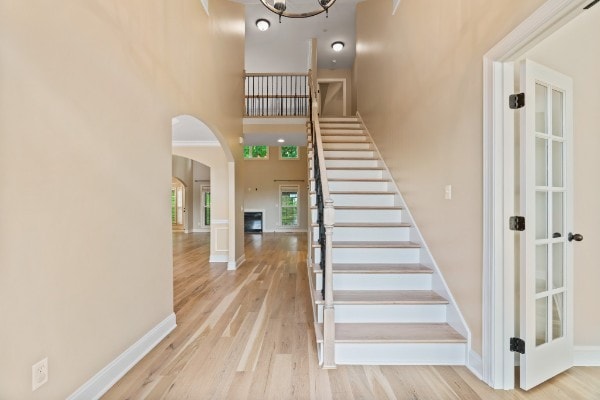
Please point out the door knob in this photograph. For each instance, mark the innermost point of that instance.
(576, 237)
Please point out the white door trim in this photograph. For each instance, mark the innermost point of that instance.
(498, 184)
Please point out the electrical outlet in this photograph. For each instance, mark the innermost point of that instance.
(39, 374)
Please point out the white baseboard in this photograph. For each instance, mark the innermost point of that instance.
(200, 230)
(586, 356)
(233, 265)
(109, 375)
(475, 364)
(221, 258)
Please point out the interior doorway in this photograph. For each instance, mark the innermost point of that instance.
(332, 97)
(515, 261)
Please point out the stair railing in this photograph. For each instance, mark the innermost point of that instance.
(325, 220)
(276, 95)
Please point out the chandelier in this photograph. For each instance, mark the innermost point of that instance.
(279, 7)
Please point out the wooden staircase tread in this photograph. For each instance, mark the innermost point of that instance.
(379, 180)
(357, 134)
(359, 208)
(351, 158)
(396, 333)
(342, 117)
(344, 141)
(391, 297)
(372, 245)
(378, 268)
(361, 192)
(358, 180)
(366, 150)
(369, 192)
(355, 168)
(369, 225)
(367, 207)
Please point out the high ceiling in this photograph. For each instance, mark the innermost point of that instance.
(283, 48)
(188, 130)
(285, 44)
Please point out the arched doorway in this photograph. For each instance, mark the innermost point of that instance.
(194, 140)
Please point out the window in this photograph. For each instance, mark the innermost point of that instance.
(177, 203)
(288, 153)
(256, 152)
(173, 206)
(205, 205)
(288, 205)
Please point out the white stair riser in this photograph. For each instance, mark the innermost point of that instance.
(354, 174)
(339, 125)
(400, 353)
(338, 119)
(354, 186)
(348, 153)
(371, 233)
(364, 215)
(367, 255)
(360, 199)
(351, 163)
(341, 131)
(387, 313)
(377, 281)
(358, 186)
(343, 137)
(346, 146)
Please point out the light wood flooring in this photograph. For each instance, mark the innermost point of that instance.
(248, 335)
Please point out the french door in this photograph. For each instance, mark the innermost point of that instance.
(546, 303)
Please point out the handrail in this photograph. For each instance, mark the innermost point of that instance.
(326, 222)
(276, 73)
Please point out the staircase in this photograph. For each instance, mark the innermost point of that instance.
(391, 304)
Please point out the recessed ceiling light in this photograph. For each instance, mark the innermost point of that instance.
(280, 141)
(262, 24)
(337, 46)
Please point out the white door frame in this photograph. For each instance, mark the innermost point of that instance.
(334, 80)
(498, 184)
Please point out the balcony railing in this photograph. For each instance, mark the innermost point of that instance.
(276, 95)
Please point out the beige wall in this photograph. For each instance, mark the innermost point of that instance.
(341, 74)
(262, 190)
(88, 93)
(419, 85)
(573, 52)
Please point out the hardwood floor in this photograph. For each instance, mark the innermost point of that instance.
(248, 335)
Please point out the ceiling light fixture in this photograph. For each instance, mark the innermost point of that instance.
(262, 24)
(280, 141)
(279, 7)
(337, 46)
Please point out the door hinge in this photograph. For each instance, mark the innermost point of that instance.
(516, 101)
(517, 345)
(516, 223)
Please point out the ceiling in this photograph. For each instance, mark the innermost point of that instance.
(283, 48)
(289, 39)
(188, 130)
(271, 139)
